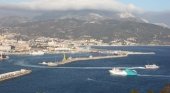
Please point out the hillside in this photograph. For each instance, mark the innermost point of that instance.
(94, 24)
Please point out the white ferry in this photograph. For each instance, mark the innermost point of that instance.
(125, 72)
(37, 53)
(153, 66)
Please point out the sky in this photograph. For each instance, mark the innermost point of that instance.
(150, 5)
(119, 5)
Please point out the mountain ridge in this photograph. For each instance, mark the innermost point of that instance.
(98, 25)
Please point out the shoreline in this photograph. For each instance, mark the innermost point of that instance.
(46, 53)
(131, 45)
(28, 53)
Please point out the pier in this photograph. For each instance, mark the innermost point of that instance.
(65, 61)
(14, 74)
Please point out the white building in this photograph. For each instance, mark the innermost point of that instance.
(5, 48)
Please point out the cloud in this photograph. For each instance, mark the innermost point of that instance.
(111, 5)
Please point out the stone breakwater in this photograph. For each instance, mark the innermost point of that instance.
(82, 59)
(14, 74)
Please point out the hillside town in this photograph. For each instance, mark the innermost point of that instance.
(11, 43)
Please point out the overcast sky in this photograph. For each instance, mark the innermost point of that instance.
(118, 5)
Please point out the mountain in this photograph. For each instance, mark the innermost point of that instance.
(157, 17)
(104, 25)
(13, 20)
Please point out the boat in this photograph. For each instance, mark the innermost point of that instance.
(51, 64)
(153, 66)
(37, 53)
(3, 56)
(44, 63)
(123, 72)
(90, 56)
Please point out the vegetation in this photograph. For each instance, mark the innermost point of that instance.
(166, 89)
(134, 91)
(99, 28)
(150, 91)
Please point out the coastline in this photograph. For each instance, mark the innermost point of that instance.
(131, 45)
(56, 52)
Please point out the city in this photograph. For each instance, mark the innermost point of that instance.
(10, 44)
(84, 46)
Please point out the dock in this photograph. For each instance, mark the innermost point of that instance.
(14, 74)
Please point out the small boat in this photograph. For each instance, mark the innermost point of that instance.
(3, 56)
(51, 64)
(35, 53)
(44, 63)
(90, 56)
(153, 66)
(123, 72)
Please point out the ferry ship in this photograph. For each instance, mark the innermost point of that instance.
(3, 56)
(125, 72)
(37, 53)
(14, 74)
(153, 66)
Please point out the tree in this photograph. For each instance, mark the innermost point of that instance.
(150, 91)
(134, 91)
(166, 89)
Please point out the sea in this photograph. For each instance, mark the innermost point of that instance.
(91, 76)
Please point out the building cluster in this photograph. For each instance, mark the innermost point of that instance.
(12, 42)
(9, 42)
(128, 41)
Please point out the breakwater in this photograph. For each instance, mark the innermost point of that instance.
(82, 59)
(14, 74)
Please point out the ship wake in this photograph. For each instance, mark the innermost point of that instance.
(159, 76)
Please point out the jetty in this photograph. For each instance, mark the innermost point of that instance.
(14, 74)
(70, 60)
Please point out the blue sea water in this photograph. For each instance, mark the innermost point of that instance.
(84, 77)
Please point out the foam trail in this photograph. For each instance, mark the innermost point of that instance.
(90, 79)
(131, 67)
(25, 64)
(137, 68)
(21, 63)
(100, 81)
(84, 67)
(141, 53)
(39, 66)
(164, 76)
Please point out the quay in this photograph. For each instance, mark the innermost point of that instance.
(14, 74)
